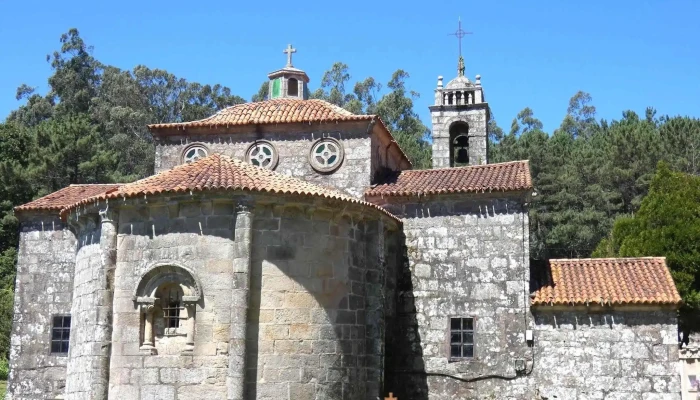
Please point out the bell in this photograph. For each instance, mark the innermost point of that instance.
(462, 156)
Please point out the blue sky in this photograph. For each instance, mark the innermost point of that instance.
(627, 54)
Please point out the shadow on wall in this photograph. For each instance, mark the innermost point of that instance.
(405, 367)
(313, 288)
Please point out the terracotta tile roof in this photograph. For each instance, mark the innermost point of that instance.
(278, 111)
(606, 281)
(218, 172)
(273, 112)
(65, 197)
(504, 177)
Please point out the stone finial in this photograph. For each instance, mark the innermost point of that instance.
(439, 85)
(478, 80)
(460, 66)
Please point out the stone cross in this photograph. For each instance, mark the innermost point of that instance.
(289, 50)
(391, 397)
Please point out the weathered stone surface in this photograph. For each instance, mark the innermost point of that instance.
(353, 176)
(44, 287)
(461, 262)
(317, 313)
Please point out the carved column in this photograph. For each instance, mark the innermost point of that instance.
(190, 306)
(240, 301)
(147, 306)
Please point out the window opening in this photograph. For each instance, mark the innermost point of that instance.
(194, 153)
(326, 155)
(172, 305)
(262, 154)
(461, 338)
(60, 334)
(292, 87)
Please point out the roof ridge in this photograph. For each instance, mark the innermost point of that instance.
(467, 166)
(92, 184)
(608, 258)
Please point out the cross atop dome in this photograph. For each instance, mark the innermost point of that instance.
(289, 51)
(288, 82)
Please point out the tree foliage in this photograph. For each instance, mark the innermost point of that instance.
(394, 107)
(588, 172)
(666, 224)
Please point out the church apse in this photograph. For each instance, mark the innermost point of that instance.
(317, 304)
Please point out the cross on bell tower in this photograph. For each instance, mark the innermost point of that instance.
(460, 33)
(288, 82)
(460, 118)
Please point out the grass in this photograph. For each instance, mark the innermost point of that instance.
(3, 388)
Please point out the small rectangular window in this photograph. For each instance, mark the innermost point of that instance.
(461, 338)
(60, 334)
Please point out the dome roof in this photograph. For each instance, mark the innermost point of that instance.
(460, 82)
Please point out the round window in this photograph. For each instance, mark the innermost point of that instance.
(326, 155)
(262, 154)
(194, 153)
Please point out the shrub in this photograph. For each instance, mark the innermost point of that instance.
(4, 368)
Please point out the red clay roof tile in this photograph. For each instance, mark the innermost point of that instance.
(278, 111)
(218, 172)
(272, 112)
(65, 197)
(605, 281)
(510, 176)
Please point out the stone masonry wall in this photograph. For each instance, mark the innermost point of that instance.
(466, 257)
(196, 233)
(43, 288)
(612, 355)
(352, 177)
(317, 311)
(477, 119)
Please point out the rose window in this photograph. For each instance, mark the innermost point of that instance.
(194, 153)
(326, 155)
(262, 154)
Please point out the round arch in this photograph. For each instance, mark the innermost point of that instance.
(161, 273)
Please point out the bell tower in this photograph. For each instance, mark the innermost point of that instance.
(460, 118)
(288, 82)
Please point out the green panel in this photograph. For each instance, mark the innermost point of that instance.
(276, 88)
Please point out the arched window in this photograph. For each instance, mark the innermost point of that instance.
(167, 296)
(292, 87)
(459, 144)
(170, 296)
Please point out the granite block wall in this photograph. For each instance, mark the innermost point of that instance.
(465, 257)
(352, 177)
(606, 354)
(196, 234)
(317, 306)
(43, 288)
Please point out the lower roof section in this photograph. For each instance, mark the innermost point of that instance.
(66, 197)
(503, 177)
(604, 282)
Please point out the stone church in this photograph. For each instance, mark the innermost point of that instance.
(286, 249)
